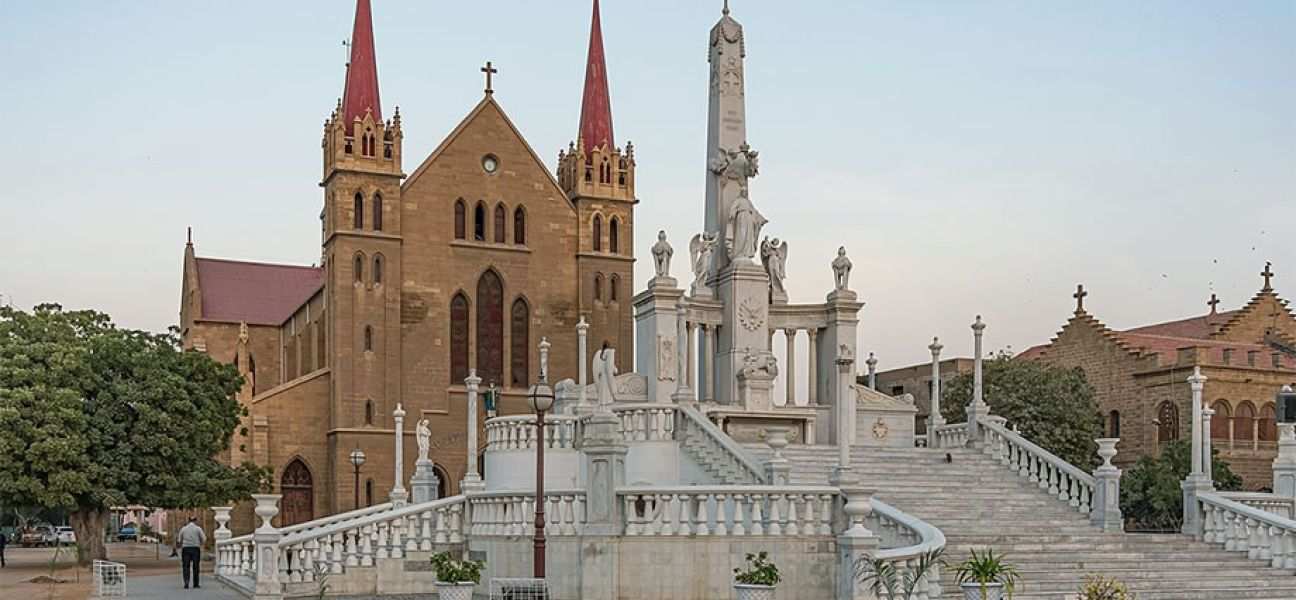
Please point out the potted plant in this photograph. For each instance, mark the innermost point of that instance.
(887, 583)
(455, 579)
(758, 581)
(985, 576)
(1098, 587)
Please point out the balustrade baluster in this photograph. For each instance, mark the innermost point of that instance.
(686, 514)
(825, 514)
(1277, 550)
(395, 528)
(284, 574)
(739, 522)
(381, 551)
(442, 527)
(775, 515)
(309, 559)
(568, 508)
(1289, 549)
(790, 517)
(553, 510)
(702, 521)
(456, 523)
(1254, 538)
(721, 514)
(632, 520)
(757, 514)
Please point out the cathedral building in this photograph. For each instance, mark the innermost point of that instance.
(1140, 377)
(461, 266)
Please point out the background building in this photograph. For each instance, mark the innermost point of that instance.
(916, 380)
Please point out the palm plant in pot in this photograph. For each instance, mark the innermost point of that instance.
(758, 580)
(886, 582)
(985, 576)
(455, 579)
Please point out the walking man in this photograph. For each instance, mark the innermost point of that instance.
(4, 541)
(191, 539)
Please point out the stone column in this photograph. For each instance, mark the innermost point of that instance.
(472, 481)
(692, 355)
(582, 367)
(790, 371)
(1207, 469)
(1284, 466)
(855, 542)
(935, 419)
(398, 493)
(265, 541)
(845, 426)
(708, 362)
(682, 391)
(812, 395)
(872, 371)
(977, 408)
(1105, 511)
(1197, 480)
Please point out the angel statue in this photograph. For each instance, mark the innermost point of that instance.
(662, 253)
(841, 267)
(700, 249)
(605, 375)
(774, 258)
(423, 434)
(736, 165)
(743, 227)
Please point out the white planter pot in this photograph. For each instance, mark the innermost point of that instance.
(745, 591)
(972, 591)
(455, 591)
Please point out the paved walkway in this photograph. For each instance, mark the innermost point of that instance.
(170, 587)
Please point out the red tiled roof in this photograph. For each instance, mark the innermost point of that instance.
(255, 293)
(1212, 350)
(1200, 327)
(1033, 352)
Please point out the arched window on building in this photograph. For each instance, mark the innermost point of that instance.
(369, 496)
(1221, 421)
(298, 489)
(1268, 423)
(1168, 422)
(358, 267)
(378, 269)
(460, 220)
(598, 287)
(458, 339)
(377, 212)
(614, 288)
(1244, 423)
(598, 233)
(369, 412)
(490, 328)
(442, 478)
(500, 230)
(614, 236)
(368, 338)
(479, 222)
(1113, 424)
(519, 227)
(520, 344)
(358, 209)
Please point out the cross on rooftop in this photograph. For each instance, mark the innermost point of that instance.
(1267, 274)
(1080, 296)
(1213, 302)
(489, 70)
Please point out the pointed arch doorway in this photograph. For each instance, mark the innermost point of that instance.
(298, 491)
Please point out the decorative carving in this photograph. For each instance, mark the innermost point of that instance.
(759, 365)
(700, 250)
(774, 258)
(841, 267)
(631, 384)
(243, 333)
(751, 314)
(736, 166)
(662, 253)
(880, 429)
(666, 354)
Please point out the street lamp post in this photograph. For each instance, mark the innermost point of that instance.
(541, 398)
(357, 460)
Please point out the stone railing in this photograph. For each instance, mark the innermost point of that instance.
(518, 432)
(1268, 502)
(1060, 478)
(646, 422)
(513, 513)
(239, 547)
(714, 449)
(728, 510)
(952, 436)
(905, 540)
(1241, 528)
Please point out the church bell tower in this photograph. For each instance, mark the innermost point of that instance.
(598, 177)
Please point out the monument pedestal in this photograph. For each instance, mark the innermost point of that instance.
(657, 337)
(425, 482)
(744, 332)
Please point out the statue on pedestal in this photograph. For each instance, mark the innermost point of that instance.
(604, 375)
(737, 166)
(424, 435)
(841, 267)
(662, 253)
(700, 250)
(774, 257)
(743, 227)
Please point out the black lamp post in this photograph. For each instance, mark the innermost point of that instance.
(357, 460)
(541, 398)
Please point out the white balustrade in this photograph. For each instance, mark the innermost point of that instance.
(714, 449)
(1239, 527)
(518, 432)
(952, 436)
(646, 422)
(1271, 503)
(905, 539)
(728, 511)
(513, 513)
(1037, 465)
(235, 557)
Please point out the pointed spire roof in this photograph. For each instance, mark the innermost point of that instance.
(361, 91)
(596, 105)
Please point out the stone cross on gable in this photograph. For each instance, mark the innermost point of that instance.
(1213, 303)
(1268, 275)
(489, 70)
(1080, 296)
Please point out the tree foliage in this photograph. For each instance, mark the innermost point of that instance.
(93, 416)
(1151, 496)
(1053, 407)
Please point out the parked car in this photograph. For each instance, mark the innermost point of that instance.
(65, 535)
(42, 535)
(127, 533)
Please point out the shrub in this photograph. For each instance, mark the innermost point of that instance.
(760, 571)
(449, 570)
(985, 569)
(1098, 587)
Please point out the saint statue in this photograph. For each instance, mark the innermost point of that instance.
(841, 267)
(744, 225)
(701, 249)
(424, 436)
(774, 257)
(737, 166)
(662, 253)
(605, 375)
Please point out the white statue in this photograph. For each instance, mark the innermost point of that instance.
(841, 267)
(744, 225)
(605, 374)
(737, 166)
(774, 257)
(662, 253)
(424, 435)
(700, 250)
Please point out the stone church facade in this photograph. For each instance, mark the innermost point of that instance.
(462, 266)
(1140, 377)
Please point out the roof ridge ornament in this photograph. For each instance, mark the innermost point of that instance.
(1268, 275)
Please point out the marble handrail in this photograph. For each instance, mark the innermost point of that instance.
(1039, 466)
(518, 432)
(694, 423)
(513, 513)
(918, 537)
(317, 523)
(1240, 528)
(952, 435)
(728, 510)
(1266, 501)
(646, 422)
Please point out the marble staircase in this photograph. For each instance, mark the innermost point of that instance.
(977, 503)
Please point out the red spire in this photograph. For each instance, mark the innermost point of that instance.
(361, 91)
(596, 106)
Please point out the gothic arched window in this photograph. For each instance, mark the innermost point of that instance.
(598, 233)
(359, 267)
(368, 338)
(378, 269)
(298, 491)
(490, 328)
(358, 209)
(377, 212)
(369, 412)
(520, 343)
(614, 285)
(369, 492)
(479, 222)
(458, 339)
(499, 224)
(519, 226)
(1244, 422)
(460, 220)
(1168, 422)
(1268, 424)
(614, 236)
(598, 287)
(1221, 421)
(1113, 424)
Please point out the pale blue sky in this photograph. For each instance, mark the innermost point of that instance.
(974, 157)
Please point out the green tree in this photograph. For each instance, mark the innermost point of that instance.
(1053, 407)
(1150, 494)
(93, 416)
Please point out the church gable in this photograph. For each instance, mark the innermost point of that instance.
(1265, 314)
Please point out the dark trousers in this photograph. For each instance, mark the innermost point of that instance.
(2, 560)
(190, 558)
